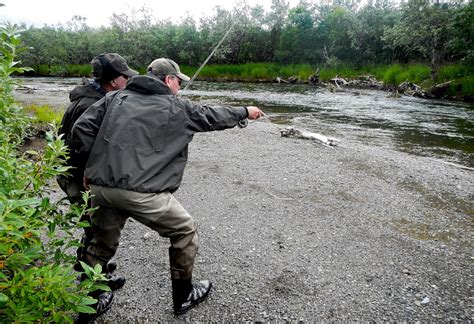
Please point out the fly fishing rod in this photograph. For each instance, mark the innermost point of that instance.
(242, 123)
(207, 60)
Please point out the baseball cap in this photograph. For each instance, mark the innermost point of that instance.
(108, 66)
(163, 66)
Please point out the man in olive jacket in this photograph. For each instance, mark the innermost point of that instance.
(137, 142)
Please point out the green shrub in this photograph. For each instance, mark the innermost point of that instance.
(454, 72)
(37, 280)
(42, 69)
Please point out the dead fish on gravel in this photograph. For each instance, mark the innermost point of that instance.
(325, 140)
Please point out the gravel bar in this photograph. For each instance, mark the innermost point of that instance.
(293, 231)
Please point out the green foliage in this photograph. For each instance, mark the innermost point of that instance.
(37, 281)
(415, 73)
(424, 32)
(42, 69)
(338, 36)
(311, 33)
(462, 77)
(453, 72)
(255, 71)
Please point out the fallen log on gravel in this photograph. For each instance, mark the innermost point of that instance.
(325, 140)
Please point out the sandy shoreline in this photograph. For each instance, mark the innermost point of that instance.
(292, 230)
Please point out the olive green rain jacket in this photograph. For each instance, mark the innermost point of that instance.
(137, 138)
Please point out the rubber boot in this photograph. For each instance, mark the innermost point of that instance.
(104, 302)
(187, 294)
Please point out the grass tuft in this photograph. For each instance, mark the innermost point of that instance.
(44, 114)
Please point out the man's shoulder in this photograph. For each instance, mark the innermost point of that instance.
(84, 93)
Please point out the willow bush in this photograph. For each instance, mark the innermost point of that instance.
(37, 280)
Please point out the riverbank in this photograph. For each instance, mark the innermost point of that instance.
(458, 79)
(291, 230)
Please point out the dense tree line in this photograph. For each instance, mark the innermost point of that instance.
(337, 32)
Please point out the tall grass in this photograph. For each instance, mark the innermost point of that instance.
(78, 70)
(44, 114)
(416, 73)
(461, 75)
(252, 71)
(67, 70)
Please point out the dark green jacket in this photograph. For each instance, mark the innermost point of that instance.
(81, 97)
(138, 137)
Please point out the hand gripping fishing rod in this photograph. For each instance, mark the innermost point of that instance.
(243, 122)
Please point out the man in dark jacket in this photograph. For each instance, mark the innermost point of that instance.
(110, 72)
(137, 142)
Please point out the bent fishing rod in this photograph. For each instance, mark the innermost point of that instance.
(207, 60)
(242, 123)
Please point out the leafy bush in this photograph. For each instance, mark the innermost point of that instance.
(37, 280)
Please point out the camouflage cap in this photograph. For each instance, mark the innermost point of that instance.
(108, 66)
(162, 67)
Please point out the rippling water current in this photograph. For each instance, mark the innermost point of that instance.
(435, 128)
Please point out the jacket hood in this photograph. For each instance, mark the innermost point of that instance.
(148, 84)
(82, 91)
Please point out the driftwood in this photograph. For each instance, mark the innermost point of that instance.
(414, 90)
(25, 89)
(292, 132)
(364, 81)
(281, 80)
(337, 81)
(314, 78)
(292, 79)
(440, 90)
(289, 80)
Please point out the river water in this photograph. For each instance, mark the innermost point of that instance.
(438, 129)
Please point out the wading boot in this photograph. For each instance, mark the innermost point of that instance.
(115, 282)
(187, 294)
(104, 302)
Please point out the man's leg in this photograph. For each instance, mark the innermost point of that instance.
(164, 214)
(107, 224)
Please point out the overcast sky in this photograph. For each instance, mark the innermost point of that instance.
(52, 12)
